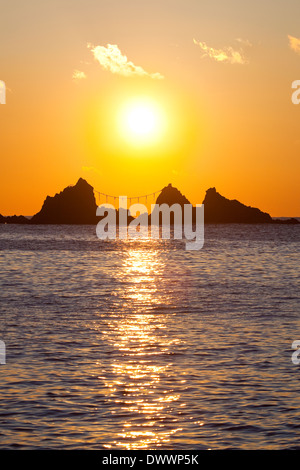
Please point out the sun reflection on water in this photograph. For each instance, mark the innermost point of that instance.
(142, 356)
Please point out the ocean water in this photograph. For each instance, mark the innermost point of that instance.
(143, 345)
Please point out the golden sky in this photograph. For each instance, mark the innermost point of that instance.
(218, 75)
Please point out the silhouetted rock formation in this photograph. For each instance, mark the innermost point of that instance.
(219, 210)
(74, 205)
(14, 219)
(291, 221)
(77, 205)
(169, 196)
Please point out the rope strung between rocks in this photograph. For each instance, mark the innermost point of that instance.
(145, 196)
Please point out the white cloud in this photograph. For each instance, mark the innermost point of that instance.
(244, 42)
(294, 44)
(78, 75)
(227, 54)
(110, 58)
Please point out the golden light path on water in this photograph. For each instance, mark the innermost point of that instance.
(144, 346)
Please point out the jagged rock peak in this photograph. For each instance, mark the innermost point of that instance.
(171, 195)
(74, 205)
(219, 209)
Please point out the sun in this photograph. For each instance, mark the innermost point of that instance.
(141, 121)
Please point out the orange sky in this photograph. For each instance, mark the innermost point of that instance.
(221, 74)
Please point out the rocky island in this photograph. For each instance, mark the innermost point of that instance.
(76, 205)
(220, 210)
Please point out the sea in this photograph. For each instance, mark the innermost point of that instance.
(142, 344)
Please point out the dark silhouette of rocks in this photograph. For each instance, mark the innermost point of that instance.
(291, 221)
(74, 205)
(14, 219)
(219, 210)
(170, 196)
(77, 205)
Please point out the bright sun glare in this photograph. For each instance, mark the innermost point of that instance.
(141, 121)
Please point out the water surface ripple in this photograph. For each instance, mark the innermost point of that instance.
(143, 345)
